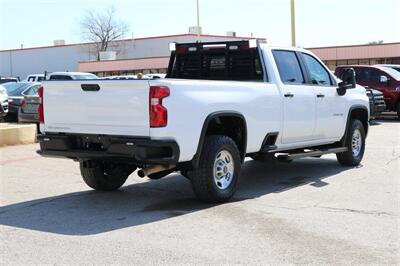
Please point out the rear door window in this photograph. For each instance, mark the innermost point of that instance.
(288, 67)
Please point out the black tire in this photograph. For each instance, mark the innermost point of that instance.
(103, 176)
(205, 186)
(398, 110)
(185, 174)
(350, 158)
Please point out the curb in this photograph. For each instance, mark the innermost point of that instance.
(14, 134)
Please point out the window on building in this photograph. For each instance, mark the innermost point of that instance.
(363, 62)
(352, 62)
(341, 62)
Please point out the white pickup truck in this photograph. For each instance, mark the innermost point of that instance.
(220, 102)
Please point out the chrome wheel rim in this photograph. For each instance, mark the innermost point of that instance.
(356, 143)
(224, 168)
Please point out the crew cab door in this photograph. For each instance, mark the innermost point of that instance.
(330, 115)
(299, 99)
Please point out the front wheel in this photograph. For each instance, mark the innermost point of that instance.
(216, 177)
(105, 176)
(355, 143)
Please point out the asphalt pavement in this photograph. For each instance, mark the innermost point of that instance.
(310, 211)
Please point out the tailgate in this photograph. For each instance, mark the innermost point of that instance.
(97, 107)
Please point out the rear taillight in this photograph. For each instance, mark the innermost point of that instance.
(21, 103)
(158, 113)
(40, 109)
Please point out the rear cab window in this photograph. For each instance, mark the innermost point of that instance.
(218, 61)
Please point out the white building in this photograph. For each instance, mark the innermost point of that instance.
(146, 55)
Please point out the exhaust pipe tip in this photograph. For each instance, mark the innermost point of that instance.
(141, 173)
(154, 169)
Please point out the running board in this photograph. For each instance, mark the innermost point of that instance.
(292, 156)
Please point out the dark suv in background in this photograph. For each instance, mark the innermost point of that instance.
(382, 78)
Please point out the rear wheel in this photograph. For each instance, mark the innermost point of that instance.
(105, 176)
(219, 167)
(355, 143)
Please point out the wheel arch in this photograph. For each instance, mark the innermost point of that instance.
(214, 123)
(361, 113)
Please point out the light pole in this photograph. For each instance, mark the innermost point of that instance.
(198, 20)
(293, 20)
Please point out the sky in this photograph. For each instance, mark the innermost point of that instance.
(33, 23)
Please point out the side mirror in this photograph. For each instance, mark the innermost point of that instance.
(383, 79)
(348, 78)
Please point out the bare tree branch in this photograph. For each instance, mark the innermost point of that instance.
(103, 28)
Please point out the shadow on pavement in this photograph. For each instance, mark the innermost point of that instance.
(92, 212)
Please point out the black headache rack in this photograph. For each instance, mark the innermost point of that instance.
(228, 60)
(135, 150)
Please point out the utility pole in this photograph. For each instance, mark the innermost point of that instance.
(198, 20)
(293, 20)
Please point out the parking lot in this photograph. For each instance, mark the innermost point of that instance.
(308, 211)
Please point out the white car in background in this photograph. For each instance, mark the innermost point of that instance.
(71, 76)
(34, 78)
(144, 76)
(3, 102)
(156, 76)
(395, 67)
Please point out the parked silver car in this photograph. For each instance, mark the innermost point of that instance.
(28, 106)
(16, 93)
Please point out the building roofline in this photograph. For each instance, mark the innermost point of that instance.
(126, 40)
(124, 59)
(354, 45)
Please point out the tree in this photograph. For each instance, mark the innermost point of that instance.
(103, 28)
(376, 42)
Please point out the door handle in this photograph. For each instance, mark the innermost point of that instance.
(289, 95)
(320, 95)
(90, 87)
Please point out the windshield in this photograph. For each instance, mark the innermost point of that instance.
(394, 73)
(15, 89)
(85, 76)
